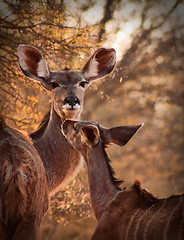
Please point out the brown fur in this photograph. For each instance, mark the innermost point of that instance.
(23, 177)
(43, 125)
(68, 87)
(131, 214)
(142, 192)
(23, 187)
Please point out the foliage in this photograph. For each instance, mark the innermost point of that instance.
(60, 36)
(67, 207)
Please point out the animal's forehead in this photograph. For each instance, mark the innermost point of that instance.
(67, 77)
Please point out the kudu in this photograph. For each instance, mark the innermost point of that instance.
(23, 187)
(60, 159)
(131, 214)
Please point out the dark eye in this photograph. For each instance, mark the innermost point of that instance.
(83, 83)
(54, 84)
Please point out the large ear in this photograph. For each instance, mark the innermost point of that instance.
(100, 64)
(90, 135)
(118, 135)
(33, 64)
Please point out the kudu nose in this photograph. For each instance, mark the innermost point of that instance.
(72, 101)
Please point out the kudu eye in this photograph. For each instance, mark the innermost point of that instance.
(83, 83)
(54, 84)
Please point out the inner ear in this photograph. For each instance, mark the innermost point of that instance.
(34, 65)
(90, 136)
(100, 64)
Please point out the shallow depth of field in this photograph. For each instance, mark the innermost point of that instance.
(147, 86)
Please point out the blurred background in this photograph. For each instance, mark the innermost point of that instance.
(147, 86)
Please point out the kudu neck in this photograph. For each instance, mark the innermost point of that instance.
(54, 117)
(60, 159)
(101, 180)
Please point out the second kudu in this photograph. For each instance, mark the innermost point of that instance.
(131, 214)
(60, 159)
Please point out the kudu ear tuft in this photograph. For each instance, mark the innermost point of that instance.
(100, 64)
(90, 135)
(118, 135)
(33, 64)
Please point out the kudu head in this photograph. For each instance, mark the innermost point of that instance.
(68, 86)
(83, 135)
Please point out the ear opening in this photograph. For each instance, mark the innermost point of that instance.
(33, 64)
(90, 136)
(100, 64)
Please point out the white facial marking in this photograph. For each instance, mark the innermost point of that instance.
(69, 107)
(76, 106)
(42, 69)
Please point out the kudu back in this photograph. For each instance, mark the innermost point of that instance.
(60, 159)
(130, 214)
(23, 186)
